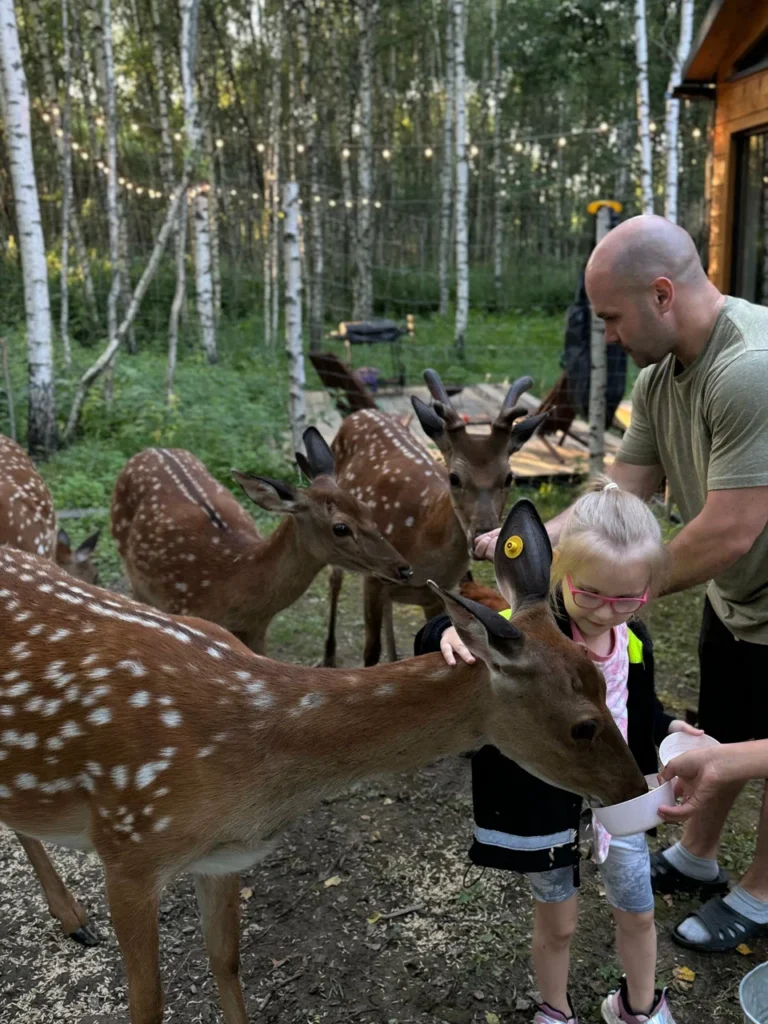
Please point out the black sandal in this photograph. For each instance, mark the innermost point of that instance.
(727, 928)
(667, 880)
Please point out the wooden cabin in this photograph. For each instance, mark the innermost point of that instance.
(728, 66)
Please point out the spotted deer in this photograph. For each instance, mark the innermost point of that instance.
(167, 746)
(190, 548)
(28, 522)
(432, 513)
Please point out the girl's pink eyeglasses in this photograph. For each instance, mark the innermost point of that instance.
(589, 602)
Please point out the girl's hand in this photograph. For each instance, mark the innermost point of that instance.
(678, 725)
(451, 645)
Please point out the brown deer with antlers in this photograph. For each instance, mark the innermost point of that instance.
(431, 513)
(189, 547)
(165, 745)
(28, 522)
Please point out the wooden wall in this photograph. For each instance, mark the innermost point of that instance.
(740, 106)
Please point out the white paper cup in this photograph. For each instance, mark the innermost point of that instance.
(678, 743)
(640, 814)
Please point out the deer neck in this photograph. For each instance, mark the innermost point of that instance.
(444, 532)
(340, 726)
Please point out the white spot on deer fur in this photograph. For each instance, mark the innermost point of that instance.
(7, 710)
(18, 690)
(59, 634)
(94, 768)
(50, 708)
(87, 783)
(89, 660)
(148, 772)
(20, 650)
(100, 716)
(409, 521)
(10, 676)
(134, 667)
(206, 751)
(171, 718)
(389, 528)
(119, 776)
(35, 630)
(139, 699)
(25, 740)
(95, 695)
(26, 781)
(70, 730)
(385, 690)
(54, 743)
(213, 652)
(161, 824)
(98, 673)
(148, 811)
(181, 587)
(5, 793)
(163, 791)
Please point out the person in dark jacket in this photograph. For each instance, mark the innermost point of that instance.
(610, 562)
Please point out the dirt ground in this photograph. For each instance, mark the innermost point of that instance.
(368, 911)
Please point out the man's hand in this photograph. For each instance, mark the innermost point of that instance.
(485, 545)
(701, 775)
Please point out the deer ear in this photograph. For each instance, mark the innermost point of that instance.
(432, 424)
(62, 539)
(525, 429)
(271, 495)
(489, 636)
(523, 556)
(86, 549)
(319, 456)
(303, 464)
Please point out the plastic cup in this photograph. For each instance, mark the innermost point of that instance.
(640, 814)
(678, 743)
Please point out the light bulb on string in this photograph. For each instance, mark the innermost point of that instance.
(386, 154)
(260, 147)
(254, 195)
(348, 204)
(134, 127)
(428, 153)
(562, 141)
(473, 151)
(603, 127)
(696, 133)
(331, 202)
(177, 136)
(345, 154)
(219, 143)
(518, 147)
(377, 204)
(300, 148)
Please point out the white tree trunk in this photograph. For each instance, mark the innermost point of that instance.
(363, 304)
(274, 145)
(179, 296)
(643, 107)
(195, 166)
(311, 138)
(113, 216)
(15, 109)
(66, 197)
(50, 93)
(106, 357)
(462, 181)
(598, 377)
(497, 198)
(166, 144)
(446, 175)
(672, 120)
(293, 332)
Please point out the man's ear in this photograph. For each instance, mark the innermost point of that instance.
(488, 635)
(271, 495)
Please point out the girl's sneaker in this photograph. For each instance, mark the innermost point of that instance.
(615, 1009)
(545, 1014)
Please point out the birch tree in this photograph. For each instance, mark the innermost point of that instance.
(195, 165)
(672, 119)
(274, 145)
(66, 198)
(293, 327)
(312, 142)
(496, 106)
(643, 107)
(462, 181)
(14, 96)
(113, 219)
(446, 174)
(363, 298)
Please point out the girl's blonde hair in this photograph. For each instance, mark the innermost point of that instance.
(607, 520)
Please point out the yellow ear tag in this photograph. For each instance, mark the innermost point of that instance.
(513, 547)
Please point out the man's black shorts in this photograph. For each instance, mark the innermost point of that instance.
(733, 700)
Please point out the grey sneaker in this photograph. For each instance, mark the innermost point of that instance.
(615, 1009)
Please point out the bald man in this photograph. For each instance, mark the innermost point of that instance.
(700, 419)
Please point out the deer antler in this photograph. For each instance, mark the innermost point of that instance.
(510, 411)
(443, 405)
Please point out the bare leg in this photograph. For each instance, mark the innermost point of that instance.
(702, 833)
(61, 903)
(335, 580)
(133, 904)
(217, 897)
(373, 603)
(755, 881)
(636, 946)
(553, 928)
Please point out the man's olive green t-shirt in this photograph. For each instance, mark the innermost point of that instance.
(707, 426)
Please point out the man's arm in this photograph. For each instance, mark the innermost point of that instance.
(724, 531)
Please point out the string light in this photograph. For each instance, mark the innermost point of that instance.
(177, 136)
(75, 146)
(317, 199)
(603, 126)
(518, 147)
(100, 122)
(260, 147)
(47, 118)
(300, 148)
(428, 153)
(696, 133)
(377, 204)
(652, 126)
(386, 154)
(219, 143)
(254, 195)
(562, 141)
(345, 154)
(134, 127)
(348, 204)
(331, 202)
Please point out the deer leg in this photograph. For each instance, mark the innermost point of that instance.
(389, 628)
(133, 904)
(373, 605)
(218, 900)
(61, 903)
(335, 580)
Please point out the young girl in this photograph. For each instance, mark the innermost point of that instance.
(611, 560)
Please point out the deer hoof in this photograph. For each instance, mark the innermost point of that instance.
(86, 936)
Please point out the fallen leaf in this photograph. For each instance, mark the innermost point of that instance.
(491, 1018)
(684, 974)
(245, 894)
(374, 918)
(279, 963)
(376, 837)
(334, 880)
(743, 949)
(388, 800)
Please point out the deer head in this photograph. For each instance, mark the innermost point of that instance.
(478, 465)
(78, 563)
(341, 528)
(555, 720)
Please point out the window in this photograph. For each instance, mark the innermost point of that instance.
(749, 278)
(754, 59)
